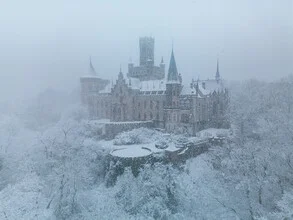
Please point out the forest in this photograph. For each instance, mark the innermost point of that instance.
(53, 166)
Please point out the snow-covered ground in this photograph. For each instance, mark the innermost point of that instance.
(61, 171)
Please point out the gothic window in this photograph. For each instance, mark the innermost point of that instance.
(145, 116)
(151, 104)
(145, 103)
(151, 116)
(158, 104)
(139, 116)
(158, 117)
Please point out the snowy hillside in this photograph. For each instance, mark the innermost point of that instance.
(62, 171)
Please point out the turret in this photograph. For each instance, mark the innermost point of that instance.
(91, 84)
(218, 72)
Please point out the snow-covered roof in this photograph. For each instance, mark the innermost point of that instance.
(206, 87)
(131, 151)
(212, 84)
(149, 85)
(153, 85)
(90, 77)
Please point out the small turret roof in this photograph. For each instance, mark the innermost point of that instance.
(92, 71)
(218, 72)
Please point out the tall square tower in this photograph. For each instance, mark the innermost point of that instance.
(146, 46)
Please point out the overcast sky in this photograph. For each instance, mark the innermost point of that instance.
(48, 43)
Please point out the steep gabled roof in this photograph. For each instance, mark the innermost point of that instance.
(172, 72)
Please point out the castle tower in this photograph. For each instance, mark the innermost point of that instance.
(218, 72)
(173, 85)
(91, 83)
(146, 46)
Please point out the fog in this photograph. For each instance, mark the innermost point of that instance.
(78, 147)
(48, 44)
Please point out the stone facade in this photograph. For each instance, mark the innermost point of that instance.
(165, 101)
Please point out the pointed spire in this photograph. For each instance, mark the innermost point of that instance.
(162, 60)
(172, 72)
(92, 70)
(120, 76)
(218, 72)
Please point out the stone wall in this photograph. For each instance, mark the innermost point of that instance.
(111, 129)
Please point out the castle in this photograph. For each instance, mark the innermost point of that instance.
(146, 95)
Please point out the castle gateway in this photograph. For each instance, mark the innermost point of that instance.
(145, 94)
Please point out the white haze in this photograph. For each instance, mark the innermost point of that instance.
(48, 43)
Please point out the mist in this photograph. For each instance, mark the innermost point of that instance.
(48, 44)
(95, 125)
